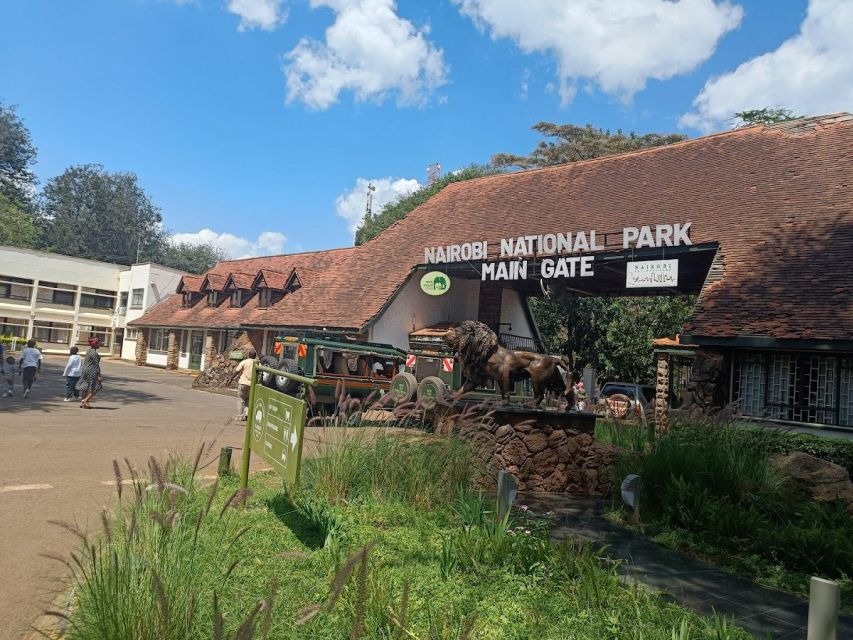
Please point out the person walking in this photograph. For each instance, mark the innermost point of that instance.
(244, 370)
(7, 368)
(29, 366)
(90, 377)
(72, 373)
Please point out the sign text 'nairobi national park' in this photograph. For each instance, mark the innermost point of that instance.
(555, 245)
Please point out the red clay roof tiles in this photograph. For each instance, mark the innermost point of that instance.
(777, 199)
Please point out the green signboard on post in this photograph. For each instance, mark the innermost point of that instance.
(274, 429)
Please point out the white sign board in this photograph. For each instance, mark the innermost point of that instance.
(652, 273)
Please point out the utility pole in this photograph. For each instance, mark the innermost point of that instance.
(368, 210)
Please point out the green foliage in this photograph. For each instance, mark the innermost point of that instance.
(17, 155)
(572, 143)
(614, 335)
(18, 227)
(192, 258)
(388, 584)
(750, 117)
(89, 212)
(394, 211)
(712, 492)
(416, 469)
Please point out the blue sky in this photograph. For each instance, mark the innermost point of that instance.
(248, 118)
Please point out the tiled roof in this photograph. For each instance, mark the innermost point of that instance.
(190, 284)
(273, 279)
(776, 198)
(239, 281)
(214, 282)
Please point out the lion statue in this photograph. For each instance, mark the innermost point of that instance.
(483, 358)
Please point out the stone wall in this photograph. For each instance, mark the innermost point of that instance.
(543, 458)
(141, 353)
(172, 350)
(662, 393)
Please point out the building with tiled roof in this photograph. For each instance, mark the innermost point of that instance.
(759, 219)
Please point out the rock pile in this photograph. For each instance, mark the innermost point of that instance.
(820, 480)
(552, 459)
(217, 373)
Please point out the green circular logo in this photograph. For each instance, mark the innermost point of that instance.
(435, 283)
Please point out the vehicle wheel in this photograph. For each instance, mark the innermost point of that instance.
(268, 379)
(285, 385)
(618, 406)
(430, 390)
(404, 386)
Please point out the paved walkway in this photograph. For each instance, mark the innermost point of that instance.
(695, 585)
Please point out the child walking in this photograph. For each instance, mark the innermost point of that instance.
(7, 369)
(72, 373)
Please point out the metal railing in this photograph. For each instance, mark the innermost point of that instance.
(521, 343)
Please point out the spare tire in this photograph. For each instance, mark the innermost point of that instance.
(431, 390)
(404, 386)
(618, 406)
(268, 379)
(286, 385)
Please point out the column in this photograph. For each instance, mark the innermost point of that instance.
(142, 347)
(209, 352)
(662, 394)
(172, 350)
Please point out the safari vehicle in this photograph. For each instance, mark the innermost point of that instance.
(432, 373)
(362, 367)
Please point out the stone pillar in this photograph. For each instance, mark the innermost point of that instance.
(256, 338)
(707, 388)
(662, 393)
(209, 351)
(142, 347)
(172, 350)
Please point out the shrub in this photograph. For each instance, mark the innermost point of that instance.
(418, 469)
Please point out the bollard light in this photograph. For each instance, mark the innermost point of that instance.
(824, 603)
(507, 489)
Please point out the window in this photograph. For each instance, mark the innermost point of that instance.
(15, 288)
(13, 327)
(237, 298)
(87, 332)
(131, 333)
(55, 332)
(56, 293)
(136, 298)
(122, 301)
(97, 298)
(265, 297)
(212, 298)
(159, 340)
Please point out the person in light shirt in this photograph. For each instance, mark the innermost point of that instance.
(29, 366)
(72, 373)
(244, 369)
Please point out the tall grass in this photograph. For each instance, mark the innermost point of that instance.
(146, 576)
(422, 470)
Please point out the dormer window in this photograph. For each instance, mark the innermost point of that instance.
(237, 298)
(212, 298)
(265, 297)
(188, 300)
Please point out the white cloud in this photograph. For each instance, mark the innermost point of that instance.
(617, 45)
(368, 50)
(258, 14)
(811, 73)
(351, 205)
(267, 243)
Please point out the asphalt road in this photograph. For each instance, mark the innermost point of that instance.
(56, 464)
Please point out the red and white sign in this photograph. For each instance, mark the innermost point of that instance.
(447, 365)
(410, 360)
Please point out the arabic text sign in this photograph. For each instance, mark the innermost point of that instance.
(652, 273)
(277, 425)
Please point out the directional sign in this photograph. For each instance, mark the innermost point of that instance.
(277, 422)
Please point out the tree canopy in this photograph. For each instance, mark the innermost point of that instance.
(571, 143)
(17, 156)
(192, 258)
(394, 211)
(763, 116)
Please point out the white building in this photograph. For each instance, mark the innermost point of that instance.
(63, 301)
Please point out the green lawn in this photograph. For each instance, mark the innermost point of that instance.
(390, 552)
